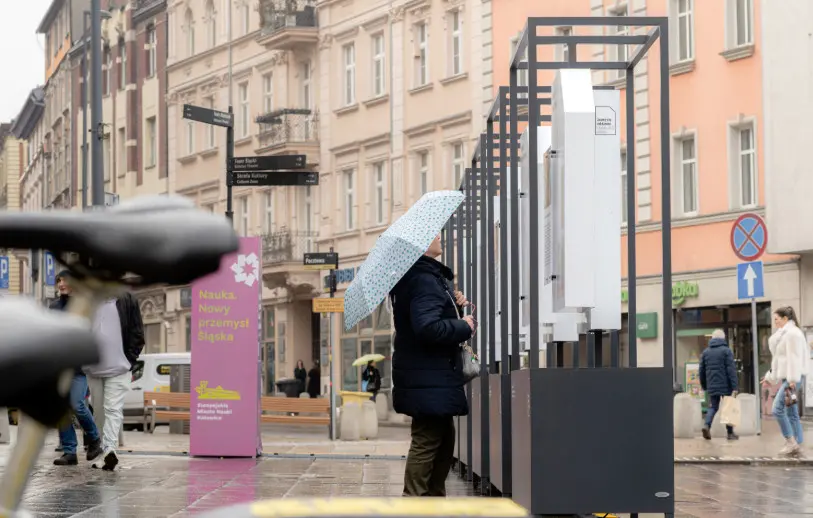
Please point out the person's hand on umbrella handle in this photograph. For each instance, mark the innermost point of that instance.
(472, 322)
(461, 299)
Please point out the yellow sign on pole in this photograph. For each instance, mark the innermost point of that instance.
(324, 305)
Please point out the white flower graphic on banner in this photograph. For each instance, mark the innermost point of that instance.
(246, 269)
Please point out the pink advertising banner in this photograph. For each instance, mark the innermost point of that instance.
(225, 396)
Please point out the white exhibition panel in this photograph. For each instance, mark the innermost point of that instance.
(554, 325)
(571, 183)
(606, 313)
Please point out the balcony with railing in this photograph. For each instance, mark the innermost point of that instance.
(287, 24)
(288, 130)
(283, 265)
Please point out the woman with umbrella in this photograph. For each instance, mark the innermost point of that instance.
(427, 365)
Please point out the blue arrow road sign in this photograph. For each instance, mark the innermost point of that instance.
(50, 269)
(750, 281)
(3, 273)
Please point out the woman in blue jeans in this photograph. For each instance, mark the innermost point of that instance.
(790, 358)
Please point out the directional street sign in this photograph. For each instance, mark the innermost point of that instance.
(749, 237)
(266, 178)
(207, 116)
(750, 280)
(322, 261)
(266, 163)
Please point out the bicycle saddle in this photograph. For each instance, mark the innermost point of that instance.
(158, 239)
(36, 347)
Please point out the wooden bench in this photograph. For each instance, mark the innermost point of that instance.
(157, 406)
(282, 410)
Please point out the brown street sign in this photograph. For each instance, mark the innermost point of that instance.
(207, 116)
(326, 305)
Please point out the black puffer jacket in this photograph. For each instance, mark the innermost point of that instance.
(427, 371)
(718, 374)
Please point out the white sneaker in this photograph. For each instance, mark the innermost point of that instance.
(791, 447)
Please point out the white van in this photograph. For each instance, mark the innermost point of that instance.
(151, 374)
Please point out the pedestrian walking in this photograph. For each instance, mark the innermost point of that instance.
(119, 330)
(314, 380)
(301, 376)
(718, 377)
(79, 386)
(427, 368)
(371, 379)
(790, 358)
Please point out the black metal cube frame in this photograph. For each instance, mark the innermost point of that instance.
(541, 460)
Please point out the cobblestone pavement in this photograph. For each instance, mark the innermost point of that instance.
(160, 486)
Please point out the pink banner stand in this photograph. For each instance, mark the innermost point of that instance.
(225, 395)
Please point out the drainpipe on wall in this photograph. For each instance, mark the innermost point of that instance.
(164, 93)
(392, 114)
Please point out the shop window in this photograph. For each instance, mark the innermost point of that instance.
(372, 335)
(350, 374)
(366, 347)
(383, 346)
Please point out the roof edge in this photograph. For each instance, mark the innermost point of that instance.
(50, 14)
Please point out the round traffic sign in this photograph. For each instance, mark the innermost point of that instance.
(749, 237)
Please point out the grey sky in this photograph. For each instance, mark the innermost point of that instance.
(21, 54)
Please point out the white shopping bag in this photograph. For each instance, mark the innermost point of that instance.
(730, 411)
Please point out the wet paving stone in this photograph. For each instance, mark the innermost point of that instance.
(161, 486)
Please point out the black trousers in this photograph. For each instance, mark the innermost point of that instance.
(431, 455)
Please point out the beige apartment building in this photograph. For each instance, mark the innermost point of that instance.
(384, 98)
(12, 156)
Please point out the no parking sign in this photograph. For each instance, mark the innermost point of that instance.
(749, 237)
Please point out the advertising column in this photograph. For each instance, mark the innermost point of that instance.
(225, 378)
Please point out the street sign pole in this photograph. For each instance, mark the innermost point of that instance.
(755, 348)
(229, 156)
(332, 283)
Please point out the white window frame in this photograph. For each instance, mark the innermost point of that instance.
(624, 200)
(190, 138)
(268, 211)
(245, 215)
(211, 24)
(349, 74)
(122, 47)
(151, 149)
(211, 143)
(677, 19)
(619, 52)
(736, 156)
(458, 163)
(268, 92)
(734, 9)
(562, 51)
(189, 21)
(678, 178)
(379, 178)
(243, 100)
(423, 166)
(305, 92)
(378, 52)
(152, 64)
(421, 35)
(108, 57)
(245, 17)
(455, 40)
(348, 177)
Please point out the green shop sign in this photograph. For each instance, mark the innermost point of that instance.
(680, 292)
(647, 324)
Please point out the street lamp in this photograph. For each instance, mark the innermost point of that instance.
(104, 15)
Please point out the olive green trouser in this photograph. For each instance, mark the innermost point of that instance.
(430, 456)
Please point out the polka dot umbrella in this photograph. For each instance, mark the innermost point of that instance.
(396, 250)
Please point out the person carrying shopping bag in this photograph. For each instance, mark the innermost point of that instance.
(718, 377)
(789, 362)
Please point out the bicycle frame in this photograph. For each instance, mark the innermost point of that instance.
(87, 295)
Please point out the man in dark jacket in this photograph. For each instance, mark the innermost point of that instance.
(427, 369)
(718, 377)
(119, 330)
(79, 388)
